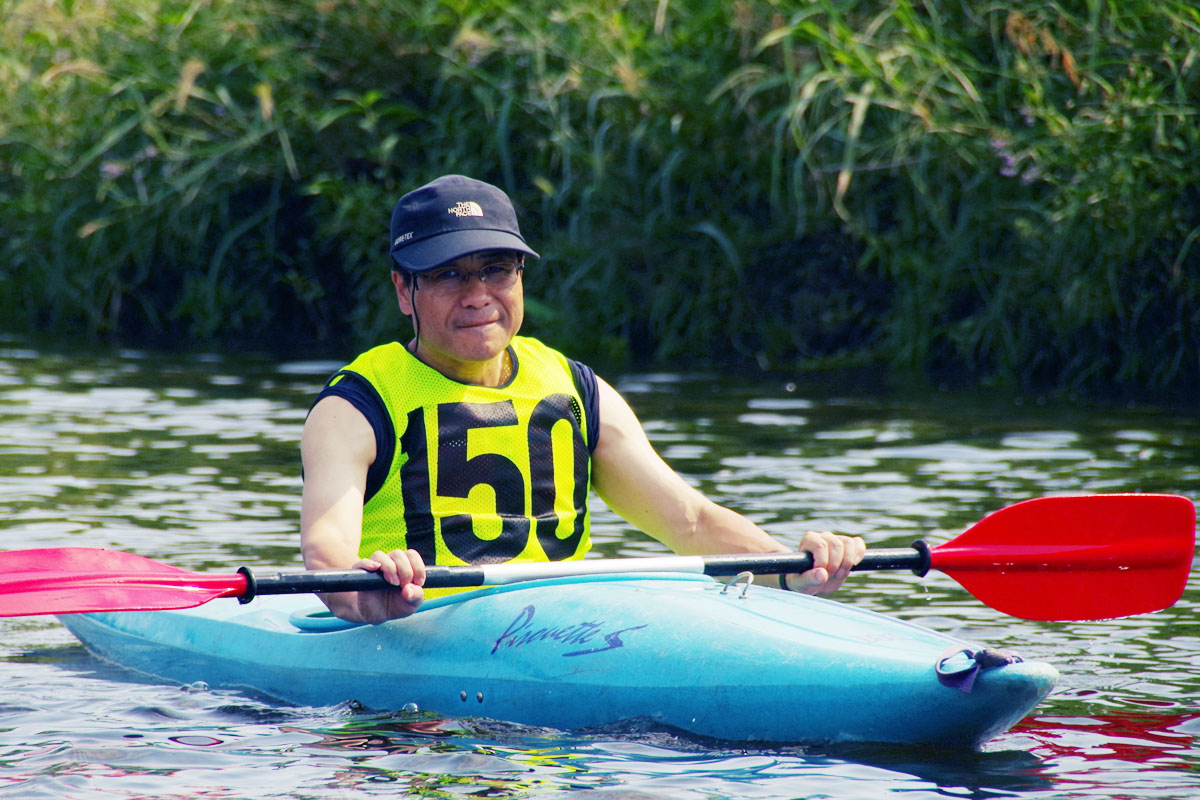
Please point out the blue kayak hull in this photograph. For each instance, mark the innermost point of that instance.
(680, 651)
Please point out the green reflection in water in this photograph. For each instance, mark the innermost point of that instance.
(195, 461)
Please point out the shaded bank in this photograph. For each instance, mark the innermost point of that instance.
(973, 194)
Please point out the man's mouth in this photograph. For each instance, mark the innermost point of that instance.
(477, 323)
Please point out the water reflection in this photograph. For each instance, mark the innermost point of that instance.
(1156, 741)
(194, 462)
(494, 759)
(201, 459)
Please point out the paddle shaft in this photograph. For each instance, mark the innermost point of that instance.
(915, 558)
(1050, 558)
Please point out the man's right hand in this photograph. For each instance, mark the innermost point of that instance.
(404, 569)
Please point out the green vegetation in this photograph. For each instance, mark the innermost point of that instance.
(997, 194)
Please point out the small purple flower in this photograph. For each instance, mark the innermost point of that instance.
(111, 170)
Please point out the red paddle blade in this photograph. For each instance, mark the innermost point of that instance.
(1073, 558)
(71, 580)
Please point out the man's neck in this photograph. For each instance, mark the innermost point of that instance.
(494, 372)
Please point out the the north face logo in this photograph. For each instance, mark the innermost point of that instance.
(466, 208)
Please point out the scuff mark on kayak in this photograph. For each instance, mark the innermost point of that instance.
(520, 632)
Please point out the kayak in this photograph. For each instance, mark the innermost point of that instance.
(676, 651)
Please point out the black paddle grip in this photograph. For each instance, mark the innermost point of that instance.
(348, 580)
(915, 558)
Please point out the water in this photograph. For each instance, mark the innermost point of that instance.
(193, 461)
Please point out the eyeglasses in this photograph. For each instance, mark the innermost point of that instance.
(497, 276)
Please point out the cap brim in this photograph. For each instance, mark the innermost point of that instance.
(437, 250)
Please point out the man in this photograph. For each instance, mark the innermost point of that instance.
(471, 444)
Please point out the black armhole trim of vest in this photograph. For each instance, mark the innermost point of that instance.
(359, 392)
(585, 384)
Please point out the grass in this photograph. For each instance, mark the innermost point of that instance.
(978, 194)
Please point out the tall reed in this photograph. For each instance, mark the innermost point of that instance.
(971, 192)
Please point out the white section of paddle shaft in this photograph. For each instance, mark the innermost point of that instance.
(501, 574)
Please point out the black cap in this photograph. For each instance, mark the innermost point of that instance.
(449, 218)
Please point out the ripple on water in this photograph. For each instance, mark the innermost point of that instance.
(194, 462)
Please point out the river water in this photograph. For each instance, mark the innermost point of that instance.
(192, 460)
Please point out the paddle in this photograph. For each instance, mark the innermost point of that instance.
(1051, 558)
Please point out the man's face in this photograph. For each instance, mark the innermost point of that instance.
(465, 325)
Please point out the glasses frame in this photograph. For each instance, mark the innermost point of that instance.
(497, 275)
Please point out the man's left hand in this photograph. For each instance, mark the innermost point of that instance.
(833, 556)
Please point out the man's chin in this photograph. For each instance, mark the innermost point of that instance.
(482, 343)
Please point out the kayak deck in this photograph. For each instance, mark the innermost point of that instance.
(682, 651)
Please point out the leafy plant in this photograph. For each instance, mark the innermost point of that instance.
(975, 193)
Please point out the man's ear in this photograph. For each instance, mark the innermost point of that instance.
(403, 292)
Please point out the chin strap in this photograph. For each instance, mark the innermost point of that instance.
(412, 301)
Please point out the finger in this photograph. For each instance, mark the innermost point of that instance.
(836, 552)
(413, 595)
(860, 548)
(840, 557)
(404, 566)
(387, 567)
(856, 548)
(836, 579)
(818, 545)
(403, 602)
(810, 582)
(853, 550)
(418, 567)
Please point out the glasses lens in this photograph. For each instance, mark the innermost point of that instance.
(500, 275)
(444, 280)
(497, 276)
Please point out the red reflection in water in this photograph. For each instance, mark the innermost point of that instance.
(1152, 740)
(379, 736)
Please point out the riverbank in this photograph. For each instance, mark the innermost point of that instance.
(999, 198)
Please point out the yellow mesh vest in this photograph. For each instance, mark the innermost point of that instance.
(480, 474)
